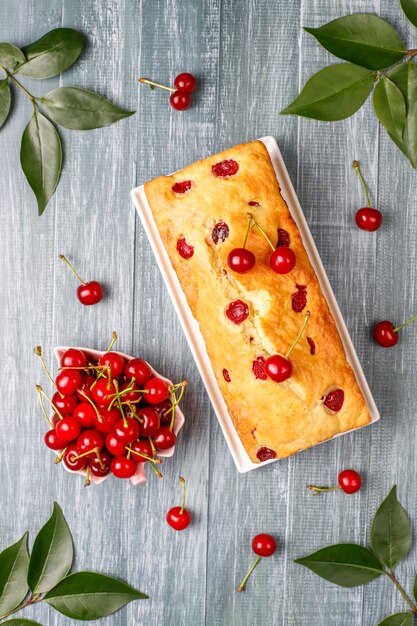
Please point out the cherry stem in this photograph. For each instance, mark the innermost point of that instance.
(359, 173)
(41, 391)
(249, 226)
(145, 456)
(87, 477)
(297, 339)
(63, 258)
(152, 446)
(182, 481)
(152, 83)
(413, 319)
(261, 230)
(38, 352)
(174, 400)
(157, 472)
(116, 386)
(84, 395)
(243, 583)
(316, 489)
(43, 410)
(133, 410)
(114, 338)
(60, 456)
(96, 452)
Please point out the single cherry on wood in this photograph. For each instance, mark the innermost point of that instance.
(386, 334)
(278, 367)
(349, 481)
(87, 293)
(178, 517)
(263, 545)
(366, 218)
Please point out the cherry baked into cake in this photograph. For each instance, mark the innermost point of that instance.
(271, 338)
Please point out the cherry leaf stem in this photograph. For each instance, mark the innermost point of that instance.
(297, 339)
(114, 338)
(413, 319)
(184, 495)
(77, 276)
(359, 173)
(243, 583)
(152, 83)
(20, 86)
(402, 591)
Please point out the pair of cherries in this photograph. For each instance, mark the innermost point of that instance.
(184, 86)
(242, 260)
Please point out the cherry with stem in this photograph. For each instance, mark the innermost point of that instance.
(349, 481)
(366, 218)
(263, 545)
(88, 293)
(278, 367)
(386, 335)
(178, 517)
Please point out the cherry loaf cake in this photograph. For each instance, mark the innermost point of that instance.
(248, 313)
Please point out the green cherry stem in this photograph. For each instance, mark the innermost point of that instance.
(116, 386)
(114, 338)
(84, 395)
(77, 276)
(152, 466)
(243, 583)
(261, 230)
(297, 339)
(316, 489)
(41, 392)
(38, 352)
(413, 319)
(152, 83)
(249, 226)
(43, 410)
(145, 456)
(359, 173)
(182, 481)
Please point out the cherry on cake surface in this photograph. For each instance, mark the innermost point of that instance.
(312, 345)
(226, 375)
(264, 454)
(184, 249)
(241, 260)
(299, 298)
(253, 203)
(334, 400)
(225, 168)
(182, 187)
(220, 232)
(282, 260)
(258, 368)
(283, 239)
(237, 311)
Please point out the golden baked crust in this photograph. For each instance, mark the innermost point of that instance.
(283, 417)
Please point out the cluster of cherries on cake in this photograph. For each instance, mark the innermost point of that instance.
(109, 416)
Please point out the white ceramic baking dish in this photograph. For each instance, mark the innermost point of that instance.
(140, 476)
(191, 327)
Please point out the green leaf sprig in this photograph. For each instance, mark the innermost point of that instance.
(350, 565)
(45, 576)
(69, 107)
(377, 60)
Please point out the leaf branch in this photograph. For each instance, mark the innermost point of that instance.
(402, 591)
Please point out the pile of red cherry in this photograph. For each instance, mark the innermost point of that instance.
(110, 415)
(184, 86)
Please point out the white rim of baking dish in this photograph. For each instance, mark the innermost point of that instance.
(139, 478)
(192, 330)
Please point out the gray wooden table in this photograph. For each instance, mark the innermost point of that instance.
(250, 58)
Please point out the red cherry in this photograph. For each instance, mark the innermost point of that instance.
(180, 100)
(139, 370)
(241, 260)
(139, 448)
(90, 293)
(134, 395)
(185, 82)
(114, 446)
(368, 219)
(126, 431)
(103, 392)
(157, 391)
(263, 545)
(108, 419)
(103, 468)
(53, 441)
(115, 362)
(90, 440)
(71, 462)
(178, 517)
(73, 358)
(68, 381)
(282, 260)
(264, 454)
(349, 481)
(384, 334)
(164, 439)
(334, 400)
(151, 421)
(122, 467)
(66, 404)
(85, 414)
(68, 429)
(278, 368)
(182, 187)
(86, 383)
(164, 411)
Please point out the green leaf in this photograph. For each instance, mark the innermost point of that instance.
(389, 105)
(5, 100)
(404, 76)
(52, 54)
(347, 565)
(14, 563)
(10, 56)
(391, 531)
(363, 39)
(79, 109)
(334, 93)
(18, 621)
(399, 619)
(415, 588)
(410, 9)
(41, 158)
(52, 553)
(88, 595)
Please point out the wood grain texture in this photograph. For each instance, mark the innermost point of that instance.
(251, 57)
